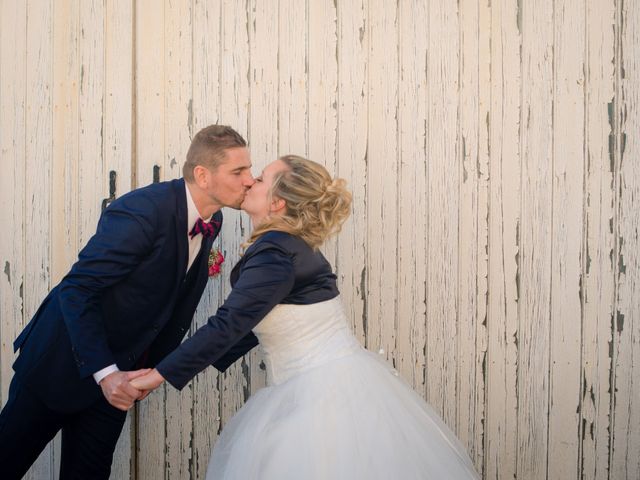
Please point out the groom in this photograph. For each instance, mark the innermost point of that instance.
(125, 304)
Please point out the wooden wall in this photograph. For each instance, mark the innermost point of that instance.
(493, 152)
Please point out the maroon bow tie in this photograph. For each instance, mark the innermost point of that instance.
(206, 229)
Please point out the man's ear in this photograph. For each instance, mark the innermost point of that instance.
(200, 175)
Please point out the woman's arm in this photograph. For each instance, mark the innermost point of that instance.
(265, 279)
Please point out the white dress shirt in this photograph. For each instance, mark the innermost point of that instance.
(194, 248)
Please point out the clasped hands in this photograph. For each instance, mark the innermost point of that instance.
(123, 389)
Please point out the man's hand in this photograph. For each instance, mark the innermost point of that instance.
(119, 392)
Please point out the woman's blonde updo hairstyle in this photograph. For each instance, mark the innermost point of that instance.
(316, 204)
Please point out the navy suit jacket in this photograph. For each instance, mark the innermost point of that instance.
(119, 299)
(277, 268)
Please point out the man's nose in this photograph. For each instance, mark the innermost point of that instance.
(249, 180)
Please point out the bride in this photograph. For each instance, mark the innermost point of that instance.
(331, 409)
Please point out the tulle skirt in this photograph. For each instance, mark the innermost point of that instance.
(351, 418)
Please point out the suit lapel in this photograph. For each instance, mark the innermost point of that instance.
(181, 228)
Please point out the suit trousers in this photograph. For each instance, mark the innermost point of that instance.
(27, 425)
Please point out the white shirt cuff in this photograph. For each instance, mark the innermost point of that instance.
(100, 374)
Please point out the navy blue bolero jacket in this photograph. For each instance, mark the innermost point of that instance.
(277, 268)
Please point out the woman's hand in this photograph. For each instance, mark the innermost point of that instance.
(150, 381)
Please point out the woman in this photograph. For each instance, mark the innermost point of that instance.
(330, 409)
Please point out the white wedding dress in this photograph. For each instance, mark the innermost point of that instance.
(332, 410)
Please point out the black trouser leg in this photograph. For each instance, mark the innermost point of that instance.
(26, 427)
(88, 441)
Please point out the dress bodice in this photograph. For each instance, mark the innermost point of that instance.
(296, 338)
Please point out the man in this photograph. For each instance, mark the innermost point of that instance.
(125, 304)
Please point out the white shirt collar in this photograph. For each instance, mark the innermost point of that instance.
(192, 211)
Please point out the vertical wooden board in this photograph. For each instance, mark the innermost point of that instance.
(234, 111)
(263, 84)
(599, 261)
(177, 127)
(503, 123)
(322, 92)
(566, 242)
(263, 118)
(482, 289)
(536, 139)
(206, 397)
(66, 93)
(382, 227)
(149, 141)
(38, 163)
(64, 149)
(442, 200)
(13, 94)
(292, 77)
(206, 65)
(205, 111)
(93, 176)
(625, 441)
(473, 227)
(149, 94)
(118, 148)
(412, 165)
(353, 46)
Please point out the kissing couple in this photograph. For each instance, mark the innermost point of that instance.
(111, 331)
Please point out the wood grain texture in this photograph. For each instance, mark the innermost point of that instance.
(118, 149)
(352, 50)
(382, 171)
(491, 149)
(534, 283)
(205, 416)
(443, 176)
(505, 167)
(150, 94)
(322, 94)
(38, 165)
(472, 225)
(567, 222)
(599, 262)
(625, 443)
(178, 105)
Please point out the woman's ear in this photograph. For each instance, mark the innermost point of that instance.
(277, 205)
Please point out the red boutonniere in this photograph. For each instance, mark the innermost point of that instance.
(215, 262)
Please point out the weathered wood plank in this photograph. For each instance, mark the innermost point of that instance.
(353, 41)
(412, 180)
(263, 117)
(13, 95)
(149, 152)
(234, 110)
(178, 405)
(503, 249)
(118, 148)
(292, 77)
(38, 165)
(473, 158)
(205, 416)
(536, 140)
(599, 263)
(64, 148)
(625, 441)
(66, 93)
(322, 91)
(443, 175)
(382, 193)
(149, 90)
(567, 230)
